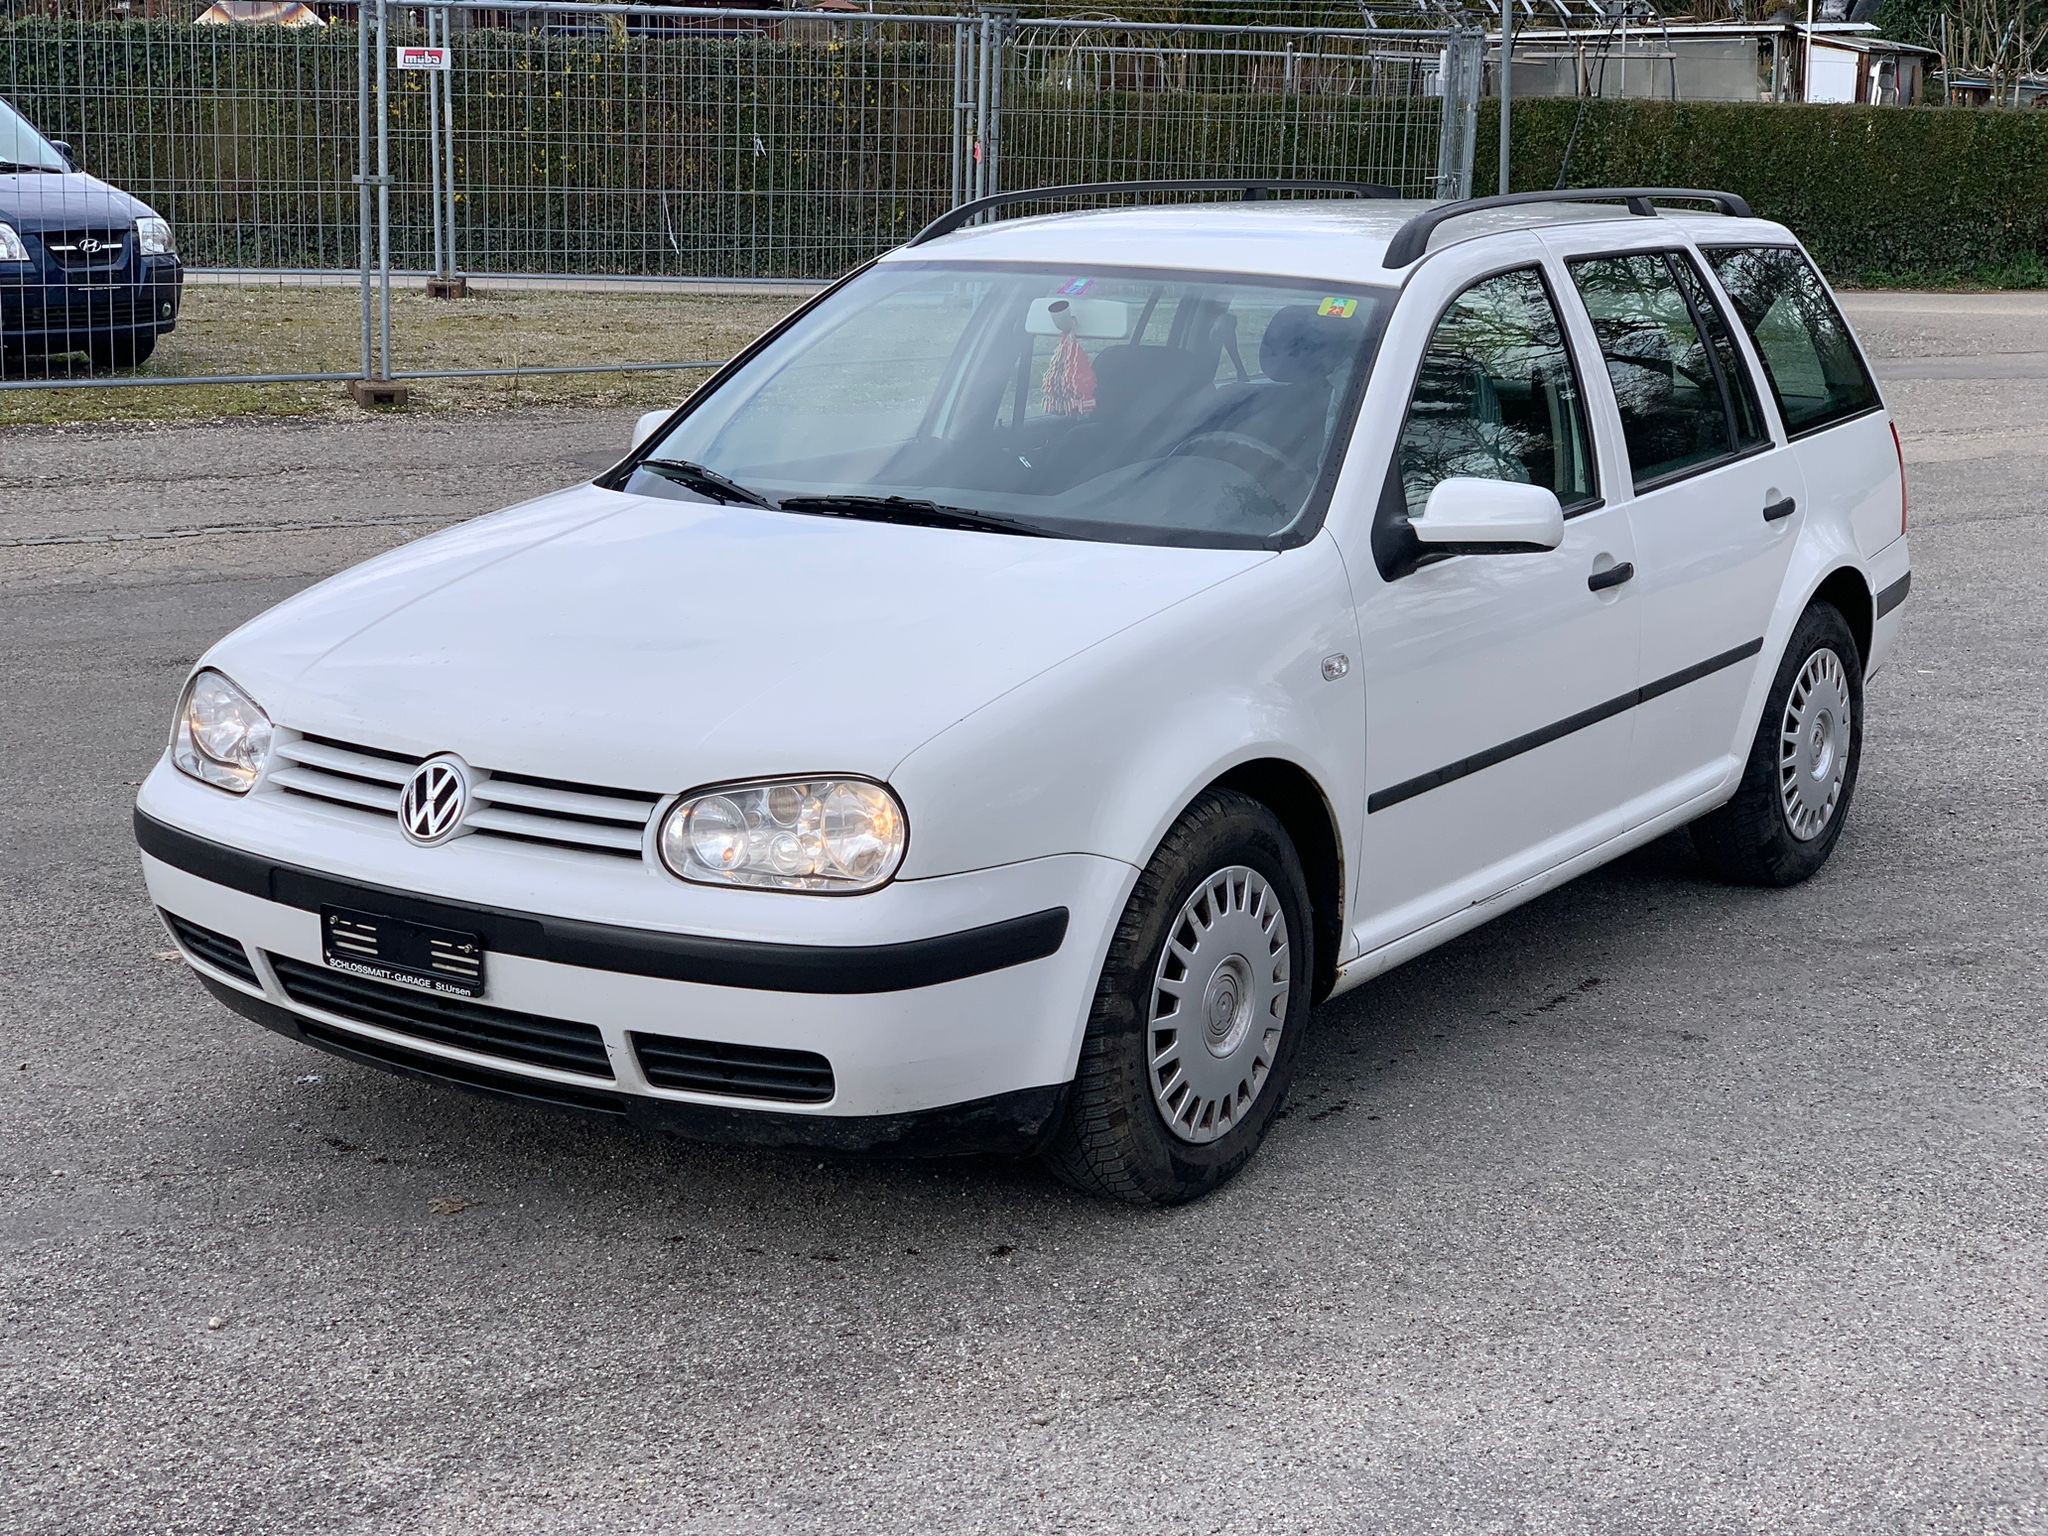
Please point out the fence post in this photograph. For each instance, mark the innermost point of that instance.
(456, 286)
(434, 150)
(363, 235)
(376, 387)
(1464, 62)
(1002, 25)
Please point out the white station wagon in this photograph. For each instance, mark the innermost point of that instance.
(1009, 695)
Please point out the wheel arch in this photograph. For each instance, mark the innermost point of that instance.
(1294, 796)
(1845, 589)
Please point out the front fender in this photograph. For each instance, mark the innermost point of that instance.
(1101, 753)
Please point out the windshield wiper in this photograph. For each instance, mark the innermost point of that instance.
(916, 513)
(705, 482)
(9, 167)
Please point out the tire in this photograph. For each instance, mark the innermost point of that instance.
(131, 350)
(1782, 824)
(1229, 858)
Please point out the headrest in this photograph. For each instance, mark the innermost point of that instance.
(1302, 346)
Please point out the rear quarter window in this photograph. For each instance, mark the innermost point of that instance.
(1815, 371)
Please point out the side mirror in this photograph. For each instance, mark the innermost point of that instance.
(64, 149)
(1469, 516)
(644, 428)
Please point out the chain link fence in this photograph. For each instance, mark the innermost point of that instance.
(315, 162)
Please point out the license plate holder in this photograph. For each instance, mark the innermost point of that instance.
(402, 952)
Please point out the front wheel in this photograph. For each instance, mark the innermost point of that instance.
(1200, 1012)
(1795, 791)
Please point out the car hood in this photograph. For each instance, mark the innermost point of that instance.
(655, 644)
(34, 201)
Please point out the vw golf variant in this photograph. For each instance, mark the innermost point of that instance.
(1001, 702)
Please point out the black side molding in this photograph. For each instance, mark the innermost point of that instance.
(1542, 736)
(819, 969)
(1892, 595)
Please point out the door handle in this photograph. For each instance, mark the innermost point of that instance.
(1613, 576)
(1782, 508)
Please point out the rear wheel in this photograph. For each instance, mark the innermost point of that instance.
(130, 350)
(1795, 791)
(1199, 1014)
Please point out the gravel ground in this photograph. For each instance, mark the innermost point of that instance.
(1654, 1206)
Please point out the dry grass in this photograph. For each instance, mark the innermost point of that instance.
(266, 329)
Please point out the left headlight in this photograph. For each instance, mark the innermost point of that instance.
(11, 248)
(819, 834)
(154, 237)
(220, 736)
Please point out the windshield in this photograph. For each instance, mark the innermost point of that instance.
(1165, 407)
(21, 145)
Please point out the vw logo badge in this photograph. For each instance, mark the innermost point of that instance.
(434, 801)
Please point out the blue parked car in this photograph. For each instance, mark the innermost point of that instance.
(84, 267)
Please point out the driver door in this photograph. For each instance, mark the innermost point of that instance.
(1498, 686)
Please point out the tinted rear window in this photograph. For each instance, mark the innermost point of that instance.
(1814, 367)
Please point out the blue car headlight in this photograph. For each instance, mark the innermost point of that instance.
(153, 237)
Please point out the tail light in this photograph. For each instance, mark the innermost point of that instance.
(1902, 475)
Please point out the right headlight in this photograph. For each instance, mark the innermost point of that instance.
(221, 737)
(822, 835)
(154, 238)
(11, 248)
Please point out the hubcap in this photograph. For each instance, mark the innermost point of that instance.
(1219, 1002)
(1813, 745)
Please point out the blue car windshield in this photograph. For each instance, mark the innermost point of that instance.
(1127, 405)
(21, 145)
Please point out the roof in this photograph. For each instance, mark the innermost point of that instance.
(1296, 237)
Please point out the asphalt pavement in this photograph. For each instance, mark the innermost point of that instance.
(1654, 1206)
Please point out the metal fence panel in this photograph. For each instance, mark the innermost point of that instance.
(243, 138)
(627, 143)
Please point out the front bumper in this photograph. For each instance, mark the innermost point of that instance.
(44, 308)
(950, 1010)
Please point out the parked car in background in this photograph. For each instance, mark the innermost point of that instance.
(84, 267)
(1000, 703)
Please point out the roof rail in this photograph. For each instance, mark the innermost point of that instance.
(1251, 190)
(1411, 240)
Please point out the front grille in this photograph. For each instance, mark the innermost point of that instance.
(86, 250)
(510, 805)
(739, 1071)
(216, 949)
(471, 1026)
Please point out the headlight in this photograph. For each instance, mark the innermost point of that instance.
(829, 835)
(153, 235)
(11, 248)
(220, 736)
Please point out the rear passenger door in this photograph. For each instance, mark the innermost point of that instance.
(1833, 417)
(1715, 500)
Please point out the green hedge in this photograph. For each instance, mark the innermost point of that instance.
(1879, 194)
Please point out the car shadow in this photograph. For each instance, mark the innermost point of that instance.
(578, 1172)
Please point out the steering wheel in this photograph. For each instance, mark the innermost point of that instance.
(1240, 450)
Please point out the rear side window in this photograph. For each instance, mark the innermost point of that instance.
(1684, 398)
(1813, 365)
(1496, 397)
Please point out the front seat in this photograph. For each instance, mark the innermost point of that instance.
(1300, 354)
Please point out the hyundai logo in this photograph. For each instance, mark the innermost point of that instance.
(434, 801)
(91, 246)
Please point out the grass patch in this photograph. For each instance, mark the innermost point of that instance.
(230, 329)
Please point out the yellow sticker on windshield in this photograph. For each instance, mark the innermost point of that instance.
(1342, 309)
